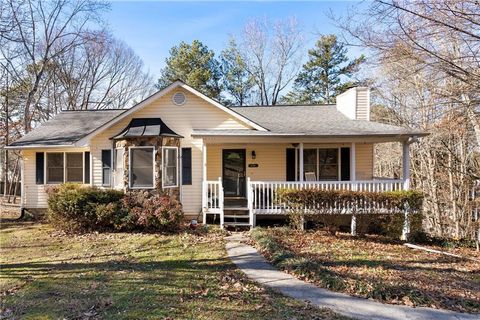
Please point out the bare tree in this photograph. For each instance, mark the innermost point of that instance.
(271, 55)
(40, 31)
(426, 70)
(56, 55)
(101, 73)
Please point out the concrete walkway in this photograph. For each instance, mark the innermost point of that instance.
(258, 269)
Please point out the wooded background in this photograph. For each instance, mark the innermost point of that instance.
(422, 61)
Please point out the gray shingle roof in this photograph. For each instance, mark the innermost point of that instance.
(321, 120)
(66, 128)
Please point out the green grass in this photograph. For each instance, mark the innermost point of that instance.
(48, 275)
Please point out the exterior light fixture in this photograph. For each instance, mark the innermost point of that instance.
(254, 154)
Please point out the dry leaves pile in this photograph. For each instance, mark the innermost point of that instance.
(373, 268)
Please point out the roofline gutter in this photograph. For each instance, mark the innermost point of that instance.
(41, 146)
(289, 135)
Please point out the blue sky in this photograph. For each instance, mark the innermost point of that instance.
(151, 28)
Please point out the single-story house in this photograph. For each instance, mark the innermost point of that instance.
(220, 161)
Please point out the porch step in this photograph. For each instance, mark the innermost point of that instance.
(242, 216)
(235, 208)
(236, 224)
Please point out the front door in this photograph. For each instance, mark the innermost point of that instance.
(234, 173)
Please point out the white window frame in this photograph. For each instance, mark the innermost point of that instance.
(65, 167)
(114, 170)
(45, 166)
(109, 184)
(297, 160)
(130, 168)
(164, 171)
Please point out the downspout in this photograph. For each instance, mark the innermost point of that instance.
(22, 191)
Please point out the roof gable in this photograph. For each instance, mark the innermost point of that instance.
(148, 101)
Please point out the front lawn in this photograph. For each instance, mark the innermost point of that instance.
(46, 274)
(374, 268)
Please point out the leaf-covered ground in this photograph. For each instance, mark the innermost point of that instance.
(49, 275)
(374, 268)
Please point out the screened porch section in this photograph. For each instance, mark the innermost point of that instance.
(248, 177)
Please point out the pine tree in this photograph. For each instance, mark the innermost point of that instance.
(236, 80)
(194, 64)
(326, 74)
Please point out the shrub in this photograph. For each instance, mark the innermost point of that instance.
(75, 208)
(320, 203)
(153, 212)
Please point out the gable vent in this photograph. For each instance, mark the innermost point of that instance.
(179, 98)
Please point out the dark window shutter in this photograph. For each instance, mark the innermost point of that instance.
(290, 164)
(106, 166)
(40, 167)
(186, 166)
(345, 164)
(86, 167)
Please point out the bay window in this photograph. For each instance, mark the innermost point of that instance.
(170, 167)
(118, 177)
(141, 167)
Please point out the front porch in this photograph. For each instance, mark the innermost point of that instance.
(237, 195)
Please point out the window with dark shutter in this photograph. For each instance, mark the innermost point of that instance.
(290, 164)
(186, 166)
(40, 167)
(106, 167)
(86, 167)
(345, 164)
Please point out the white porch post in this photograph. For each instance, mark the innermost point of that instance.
(204, 181)
(406, 165)
(353, 163)
(353, 178)
(220, 202)
(301, 163)
(406, 186)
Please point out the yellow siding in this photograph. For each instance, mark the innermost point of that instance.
(34, 194)
(364, 161)
(196, 113)
(271, 160)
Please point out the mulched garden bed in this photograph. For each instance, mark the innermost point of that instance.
(374, 267)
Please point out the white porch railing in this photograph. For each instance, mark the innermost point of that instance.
(265, 198)
(212, 201)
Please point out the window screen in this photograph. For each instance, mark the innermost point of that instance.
(328, 164)
(170, 167)
(74, 167)
(55, 167)
(142, 167)
(310, 161)
(186, 166)
(106, 166)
